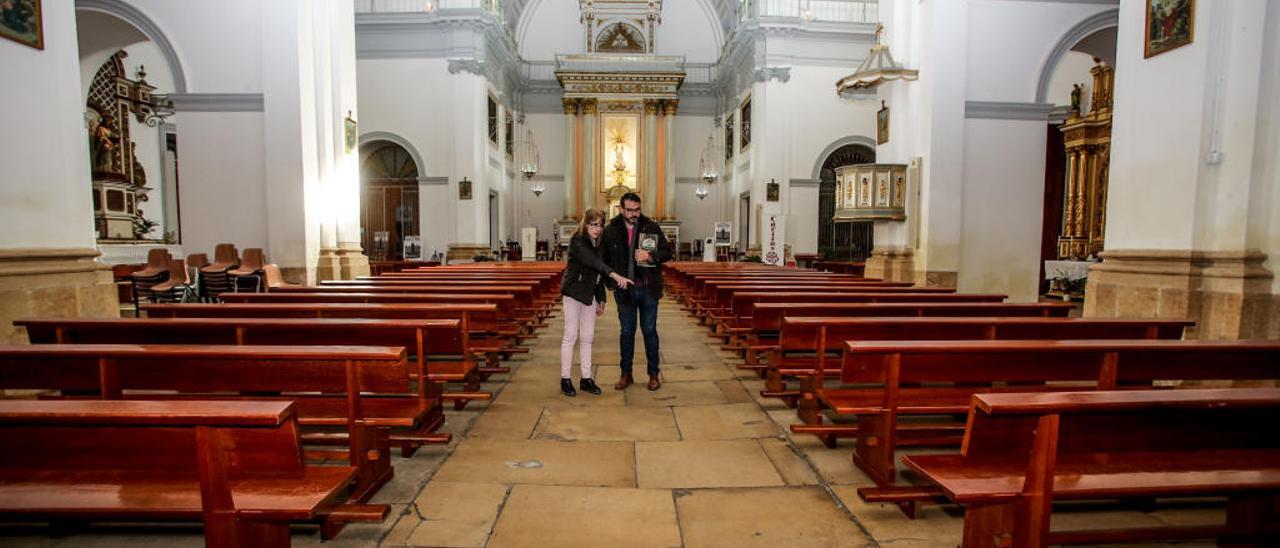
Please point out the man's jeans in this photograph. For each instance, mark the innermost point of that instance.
(647, 307)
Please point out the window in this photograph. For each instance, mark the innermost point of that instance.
(728, 137)
(510, 135)
(746, 123)
(493, 120)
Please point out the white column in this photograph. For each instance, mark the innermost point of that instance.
(669, 185)
(470, 149)
(590, 153)
(570, 161)
(649, 139)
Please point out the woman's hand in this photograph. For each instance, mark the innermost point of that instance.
(599, 309)
(622, 281)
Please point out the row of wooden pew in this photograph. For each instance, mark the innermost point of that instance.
(233, 413)
(1054, 408)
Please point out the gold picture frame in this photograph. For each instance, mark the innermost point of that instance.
(882, 124)
(23, 22)
(1170, 24)
(464, 189)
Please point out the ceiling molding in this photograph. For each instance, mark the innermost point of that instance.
(998, 110)
(216, 102)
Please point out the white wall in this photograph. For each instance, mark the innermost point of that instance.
(1002, 208)
(548, 27)
(222, 201)
(223, 57)
(1073, 68)
(44, 185)
(689, 28)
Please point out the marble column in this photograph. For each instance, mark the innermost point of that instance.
(590, 154)
(657, 205)
(570, 157)
(649, 154)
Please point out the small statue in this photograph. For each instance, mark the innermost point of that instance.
(1076, 91)
(102, 144)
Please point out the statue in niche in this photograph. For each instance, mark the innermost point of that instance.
(1076, 91)
(102, 144)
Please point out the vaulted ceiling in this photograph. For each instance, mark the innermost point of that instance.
(726, 11)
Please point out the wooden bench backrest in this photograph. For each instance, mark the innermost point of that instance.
(802, 334)
(147, 437)
(1176, 421)
(743, 302)
(1108, 363)
(110, 368)
(767, 317)
(506, 303)
(475, 317)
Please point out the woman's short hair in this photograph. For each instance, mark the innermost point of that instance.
(590, 216)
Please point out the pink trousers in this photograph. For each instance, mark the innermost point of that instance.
(579, 327)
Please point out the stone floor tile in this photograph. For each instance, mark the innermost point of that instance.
(768, 517)
(935, 525)
(506, 421)
(399, 535)
(675, 393)
(607, 424)
(791, 466)
(723, 422)
(457, 514)
(555, 517)
(548, 395)
(541, 462)
(692, 464)
(734, 391)
(695, 372)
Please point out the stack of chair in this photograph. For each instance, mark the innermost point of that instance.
(215, 278)
(156, 271)
(249, 274)
(274, 278)
(195, 262)
(177, 288)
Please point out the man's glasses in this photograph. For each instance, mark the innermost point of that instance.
(631, 209)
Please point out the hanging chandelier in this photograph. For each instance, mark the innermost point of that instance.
(708, 161)
(528, 161)
(878, 68)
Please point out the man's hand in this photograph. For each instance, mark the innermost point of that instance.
(642, 256)
(599, 309)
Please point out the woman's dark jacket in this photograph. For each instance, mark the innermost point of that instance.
(585, 277)
(619, 253)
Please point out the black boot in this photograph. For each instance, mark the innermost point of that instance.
(566, 388)
(588, 385)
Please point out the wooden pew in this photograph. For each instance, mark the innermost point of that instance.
(797, 353)
(235, 465)
(1023, 452)
(340, 374)
(528, 310)
(940, 377)
(717, 301)
(505, 302)
(438, 347)
(486, 336)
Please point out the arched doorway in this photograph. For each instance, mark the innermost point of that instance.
(841, 241)
(389, 208)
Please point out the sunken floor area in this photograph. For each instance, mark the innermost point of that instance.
(705, 461)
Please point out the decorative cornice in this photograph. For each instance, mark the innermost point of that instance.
(433, 180)
(997, 110)
(805, 183)
(216, 102)
(764, 74)
(1239, 264)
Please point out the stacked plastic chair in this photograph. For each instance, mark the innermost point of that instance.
(214, 279)
(274, 278)
(196, 261)
(248, 276)
(156, 271)
(177, 289)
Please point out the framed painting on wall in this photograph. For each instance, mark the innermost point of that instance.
(464, 189)
(22, 22)
(350, 133)
(1170, 25)
(882, 124)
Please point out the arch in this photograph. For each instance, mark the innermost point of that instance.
(709, 9)
(135, 17)
(401, 142)
(831, 148)
(1090, 25)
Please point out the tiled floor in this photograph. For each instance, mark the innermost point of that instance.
(703, 462)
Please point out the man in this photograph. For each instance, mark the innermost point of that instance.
(635, 246)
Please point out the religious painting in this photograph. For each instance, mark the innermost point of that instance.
(899, 193)
(882, 188)
(882, 124)
(864, 192)
(771, 192)
(464, 189)
(723, 233)
(1170, 25)
(619, 135)
(349, 132)
(22, 22)
(412, 248)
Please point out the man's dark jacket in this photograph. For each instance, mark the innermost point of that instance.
(584, 278)
(618, 254)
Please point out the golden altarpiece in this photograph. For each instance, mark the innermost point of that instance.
(620, 102)
(1087, 139)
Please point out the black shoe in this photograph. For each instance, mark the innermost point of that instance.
(588, 385)
(566, 388)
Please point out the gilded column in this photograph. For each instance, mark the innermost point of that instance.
(570, 157)
(590, 153)
(648, 180)
(669, 184)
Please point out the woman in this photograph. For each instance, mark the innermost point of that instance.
(583, 290)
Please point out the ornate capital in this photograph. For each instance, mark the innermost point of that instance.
(670, 105)
(570, 106)
(473, 66)
(651, 106)
(589, 106)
